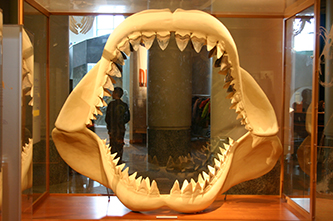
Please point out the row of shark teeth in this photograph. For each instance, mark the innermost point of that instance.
(144, 186)
(146, 39)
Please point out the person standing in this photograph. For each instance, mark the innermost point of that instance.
(117, 115)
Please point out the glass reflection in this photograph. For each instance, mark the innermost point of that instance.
(324, 187)
(35, 24)
(298, 96)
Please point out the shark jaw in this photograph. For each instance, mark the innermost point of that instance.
(84, 151)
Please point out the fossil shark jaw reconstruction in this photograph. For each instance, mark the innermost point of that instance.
(258, 150)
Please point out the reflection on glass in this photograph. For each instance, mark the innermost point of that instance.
(324, 188)
(298, 96)
(35, 24)
(27, 122)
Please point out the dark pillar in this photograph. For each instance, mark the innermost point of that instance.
(169, 101)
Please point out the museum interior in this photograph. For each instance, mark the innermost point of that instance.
(224, 111)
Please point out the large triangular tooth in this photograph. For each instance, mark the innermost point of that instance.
(217, 62)
(175, 188)
(243, 122)
(124, 175)
(148, 38)
(143, 187)
(221, 157)
(197, 188)
(120, 168)
(132, 176)
(193, 183)
(231, 143)
(236, 98)
(185, 184)
(134, 40)
(205, 185)
(211, 43)
(239, 116)
(108, 83)
(225, 65)
(115, 161)
(220, 49)
(138, 181)
(124, 46)
(99, 112)
(212, 52)
(119, 58)
(217, 164)
(187, 188)
(113, 155)
(198, 41)
(114, 71)
(205, 175)
(170, 164)
(154, 191)
(182, 40)
(211, 170)
(200, 179)
(233, 106)
(163, 39)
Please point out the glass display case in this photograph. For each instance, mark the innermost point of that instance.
(180, 124)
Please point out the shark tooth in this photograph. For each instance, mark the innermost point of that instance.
(134, 40)
(138, 181)
(212, 52)
(144, 187)
(211, 170)
(175, 188)
(193, 183)
(163, 39)
(154, 189)
(220, 49)
(211, 43)
(120, 57)
(148, 39)
(124, 46)
(132, 176)
(124, 175)
(115, 161)
(182, 40)
(221, 157)
(205, 175)
(197, 188)
(218, 62)
(114, 70)
(198, 41)
(200, 179)
(217, 164)
(186, 188)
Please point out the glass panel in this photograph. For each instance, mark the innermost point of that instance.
(298, 93)
(191, 95)
(36, 24)
(324, 188)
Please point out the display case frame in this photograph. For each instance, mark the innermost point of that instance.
(292, 9)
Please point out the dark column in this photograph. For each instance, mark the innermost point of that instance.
(169, 101)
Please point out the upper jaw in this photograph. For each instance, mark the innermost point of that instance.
(247, 99)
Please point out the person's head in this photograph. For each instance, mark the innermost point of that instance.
(117, 93)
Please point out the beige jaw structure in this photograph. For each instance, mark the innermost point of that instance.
(84, 151)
